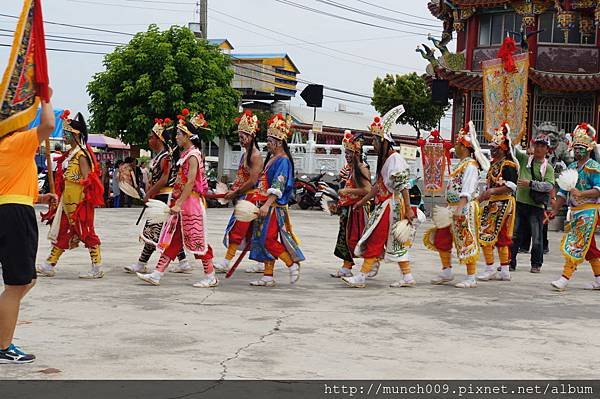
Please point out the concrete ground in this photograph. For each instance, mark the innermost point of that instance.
(122, 328)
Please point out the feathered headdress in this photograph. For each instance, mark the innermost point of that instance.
(75, 126)
(502, 139)
(584, 135)
(248, 123)
(468, 137)
(279, 127)
(160, 125)
(351, 142)
(381, 127)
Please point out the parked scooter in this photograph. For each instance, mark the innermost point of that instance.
(306, 190)
(415, 194)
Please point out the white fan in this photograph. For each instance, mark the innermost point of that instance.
(221, 189)
(156, 211)
(129, 190)
(328, 204)
(568, 179)
(442, 217)
(403, 231)
(245, 211)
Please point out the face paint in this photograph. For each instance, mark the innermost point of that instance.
(580, 152)
(67, 135)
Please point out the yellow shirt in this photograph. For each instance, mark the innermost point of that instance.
(18, 171)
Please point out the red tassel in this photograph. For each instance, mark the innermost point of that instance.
(39, 52)
(506, 54)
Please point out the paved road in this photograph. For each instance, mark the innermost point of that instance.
(119, 327)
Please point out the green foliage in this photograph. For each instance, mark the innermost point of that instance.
(156, 75)
(411, 91)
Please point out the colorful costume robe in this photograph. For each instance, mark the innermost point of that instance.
(578, 243)
(377, 240)
(464, 229)
(238, 232)
(192, 218)
(498, 213)
(352, 221)
(74, 219)
(277, 179)
(151, 231)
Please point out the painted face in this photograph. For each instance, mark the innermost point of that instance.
(377, 141)
(245, 138)
(496, 151)
(272, 144)
(349, 155)
(153, 141)
(580, 152)
(68, 136)
(461, 150)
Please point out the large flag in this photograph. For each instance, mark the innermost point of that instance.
(505, 91)
(25, 79)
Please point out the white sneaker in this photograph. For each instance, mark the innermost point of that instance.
(263, 282)
(356, 281)
(256, 268)
(502, 276)
(138, 267)
(222, 266)
(294, 273)
(594, 285)
(96, 272)
(209, 281)
(442, 278)
(466, 284)
(184, 266)
(46, 269)
(148, 278)
(342, 272)
(403, 283)
(488, 275)
(560, 284)
(374, 270)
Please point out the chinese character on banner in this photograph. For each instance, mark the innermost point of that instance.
(435, 153)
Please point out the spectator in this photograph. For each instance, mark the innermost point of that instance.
(127, 175)
(115, 185)
(535, 174)
(144, 169)
(57, 153)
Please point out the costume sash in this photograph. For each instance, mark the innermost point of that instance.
(465, 230)
(496, 212)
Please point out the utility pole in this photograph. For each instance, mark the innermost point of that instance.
(204, 18)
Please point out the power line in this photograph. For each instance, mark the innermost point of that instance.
(70, 38)
(374, 15)
(313, 44)
(75, 26)
(63, 50)
(317, 11)
(396, 11)
(125, 6)
(335, 41)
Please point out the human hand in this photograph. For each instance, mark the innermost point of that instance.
(264, 210)
(523, 183)
(230, 195)
(175, 209)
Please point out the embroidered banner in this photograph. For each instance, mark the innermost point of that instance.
(26, 74)
(505, 96)
(434, 167)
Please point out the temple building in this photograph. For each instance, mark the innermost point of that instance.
(563, 46)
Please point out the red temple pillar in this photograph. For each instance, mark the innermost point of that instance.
(472, 30)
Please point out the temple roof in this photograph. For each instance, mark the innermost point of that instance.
(565, 82)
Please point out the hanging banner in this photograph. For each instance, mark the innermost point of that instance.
(434, 167)
(505, 95)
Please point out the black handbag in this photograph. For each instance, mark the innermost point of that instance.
(538, 197)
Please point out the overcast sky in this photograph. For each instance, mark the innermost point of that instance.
(366, 51)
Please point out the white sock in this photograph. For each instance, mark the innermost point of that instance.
(294, 267)
(598, 279)
(447, 272)
(184, 262)
(210, 276)
(226, 262)
(504, 269)
(490, 268)
(562, 279)
(156, 275)
(471, 277)
(267, 278)
(96, 269)
(408, 277)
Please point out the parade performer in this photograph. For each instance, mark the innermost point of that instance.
(498, 201)
(355, 181)
(238, 234)
(462, 229)
(161, 181)
(582, 194)
(186, 226)
(273, 237)
(80, 190)
(392, 201)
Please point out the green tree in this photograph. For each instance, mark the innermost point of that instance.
(412, 91)
(157, 75)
